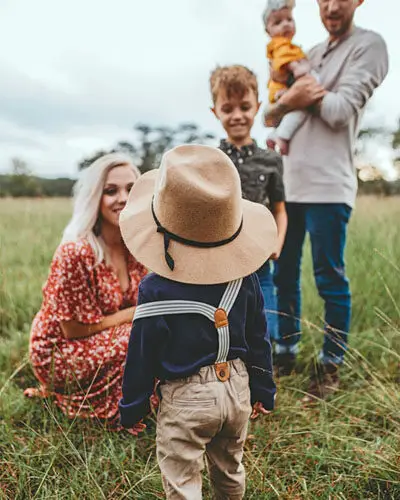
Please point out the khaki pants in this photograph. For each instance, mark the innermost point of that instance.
(201, 416)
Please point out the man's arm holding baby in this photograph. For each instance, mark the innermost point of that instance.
(368, 68)
(305, 92)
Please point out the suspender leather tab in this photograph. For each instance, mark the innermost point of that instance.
(222, 371)
(220, 318)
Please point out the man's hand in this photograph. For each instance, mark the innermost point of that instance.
(305, 92)
(258, 409)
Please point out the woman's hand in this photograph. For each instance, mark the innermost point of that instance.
(76, 330)
(128, 314)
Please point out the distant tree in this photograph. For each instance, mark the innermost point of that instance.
(60, 187)
(19, 167)
(11, 185)
(21, 181)
(150, 143)
(86, 162)
(146, 149)
(396, 138)
(382, 131)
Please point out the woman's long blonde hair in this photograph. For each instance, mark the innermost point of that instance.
(88, 191)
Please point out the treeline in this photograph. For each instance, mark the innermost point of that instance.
(26, 185)
(146, 149)
(35, 187)
(379, 187)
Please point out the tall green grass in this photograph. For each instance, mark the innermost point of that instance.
(345, 448)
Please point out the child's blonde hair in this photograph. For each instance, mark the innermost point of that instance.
(235, 80)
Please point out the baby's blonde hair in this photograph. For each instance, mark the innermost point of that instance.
(273, 5)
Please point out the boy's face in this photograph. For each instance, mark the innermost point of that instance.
(281, 23)
(236, 114)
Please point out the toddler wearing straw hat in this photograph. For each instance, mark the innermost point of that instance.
(199, 326)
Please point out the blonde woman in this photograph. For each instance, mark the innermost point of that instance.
(80, 335)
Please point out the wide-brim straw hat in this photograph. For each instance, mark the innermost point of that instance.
(187, 220)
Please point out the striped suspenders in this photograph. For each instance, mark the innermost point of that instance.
(219, 316)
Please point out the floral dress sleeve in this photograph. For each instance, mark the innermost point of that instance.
(70, 290)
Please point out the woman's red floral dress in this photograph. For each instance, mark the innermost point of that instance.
(84, 375)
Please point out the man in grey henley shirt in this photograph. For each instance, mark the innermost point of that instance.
(321, 182)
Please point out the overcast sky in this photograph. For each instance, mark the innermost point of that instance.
(76, 75)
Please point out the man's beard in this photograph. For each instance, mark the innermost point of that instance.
(342, 29)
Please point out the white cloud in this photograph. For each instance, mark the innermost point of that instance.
(77, 76)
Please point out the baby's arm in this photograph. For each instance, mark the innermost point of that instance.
(300, 68)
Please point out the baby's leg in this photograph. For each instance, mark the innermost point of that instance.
(287, 128)
(290, 124)
(283, 146)
(273, 140)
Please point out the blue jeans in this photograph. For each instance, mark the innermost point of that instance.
(270, 300)
(326, 224)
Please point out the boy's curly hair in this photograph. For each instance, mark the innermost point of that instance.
(235, 80)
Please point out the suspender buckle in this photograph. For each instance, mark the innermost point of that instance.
(223, 371)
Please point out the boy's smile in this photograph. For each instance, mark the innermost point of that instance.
(237, 114)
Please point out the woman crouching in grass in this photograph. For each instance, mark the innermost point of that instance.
(79, 337)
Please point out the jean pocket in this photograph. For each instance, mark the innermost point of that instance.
(244, 396)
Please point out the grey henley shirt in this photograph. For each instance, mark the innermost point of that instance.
(319, 167)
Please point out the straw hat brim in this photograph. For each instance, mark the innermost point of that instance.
(241, 257)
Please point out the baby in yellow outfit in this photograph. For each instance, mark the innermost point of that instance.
(288, 62)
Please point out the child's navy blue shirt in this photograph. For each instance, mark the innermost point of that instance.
(171, 347)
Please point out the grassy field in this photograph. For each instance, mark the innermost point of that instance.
(346, 448)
